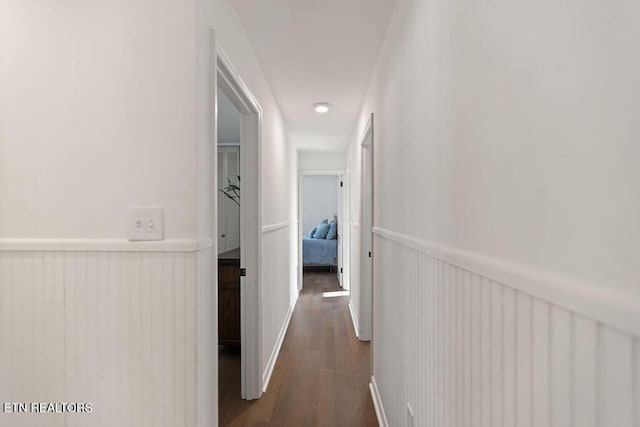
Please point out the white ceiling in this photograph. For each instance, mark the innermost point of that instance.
(317, 50)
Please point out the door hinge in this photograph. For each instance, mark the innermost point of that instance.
(340, 269)
(340, 183)
(369, 254)
(243, 272)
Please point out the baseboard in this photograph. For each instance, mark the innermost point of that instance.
(377, 403)
(266, 376)
(354, 319)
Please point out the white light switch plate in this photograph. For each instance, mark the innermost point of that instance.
(145, 223)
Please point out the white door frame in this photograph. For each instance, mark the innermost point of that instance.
(365, 322)
(228, 80)
(341, 217)
(346, 229)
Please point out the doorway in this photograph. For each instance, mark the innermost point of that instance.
(366, 236)
(236, 219)
(322, 199)
(319, 209)
(229, 260)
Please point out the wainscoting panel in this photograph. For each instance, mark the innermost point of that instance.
(117, 329)
(463, 350)
(279, 291)
(354, 279)
(207, 356)
(32, 329)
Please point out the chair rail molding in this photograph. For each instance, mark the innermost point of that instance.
(598, 302)
(277, 226)
(462, 338)
(104, 245)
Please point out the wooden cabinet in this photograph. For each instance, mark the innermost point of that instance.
(229, 297)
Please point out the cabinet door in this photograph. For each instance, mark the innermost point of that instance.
(228, 210)
(222, 202)
(229, 301)
(233, 210)
(339, 221)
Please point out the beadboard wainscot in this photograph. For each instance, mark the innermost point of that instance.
(110, 322)
(467, 340)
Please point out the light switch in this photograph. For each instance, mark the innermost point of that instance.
(145, 223)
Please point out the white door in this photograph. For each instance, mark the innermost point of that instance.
(228, 210)
(366, 236)
(340, 235)
(345, 231)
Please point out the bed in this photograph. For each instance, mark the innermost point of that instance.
(320, 252)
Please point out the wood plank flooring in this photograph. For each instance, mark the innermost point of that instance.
(321, 377)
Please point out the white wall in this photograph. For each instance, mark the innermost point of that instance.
(96, 115)
(463, 348)
(319, 200)
(105, 106)
(506, 133)
(114, 328)
(321, 160)
(279, 169)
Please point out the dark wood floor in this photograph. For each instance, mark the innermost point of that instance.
(322, 374)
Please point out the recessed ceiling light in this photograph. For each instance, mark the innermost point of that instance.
(321, 107)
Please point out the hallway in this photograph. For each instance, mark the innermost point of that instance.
(486, 164)
(322, 373)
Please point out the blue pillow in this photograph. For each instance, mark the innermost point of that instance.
(312, 232)
(322, 231)
(333, 231)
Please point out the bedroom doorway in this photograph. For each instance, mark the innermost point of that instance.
(235, 216)
(320, 222)
(321, 196)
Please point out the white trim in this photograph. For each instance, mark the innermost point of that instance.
(344, 242)
(354, 319)
(377, 403)
(355, 225)
(205, 243)
(105, 245)
(596, 301)
(307, 172)
(266, 376)
(229, 81)
(278, 226)
(367, 219)
(366, 140)
(242, 94)
(300, 233)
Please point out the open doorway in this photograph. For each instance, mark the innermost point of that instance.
(365, 322)
(321, 205)
(235, 219)
(228, 237)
